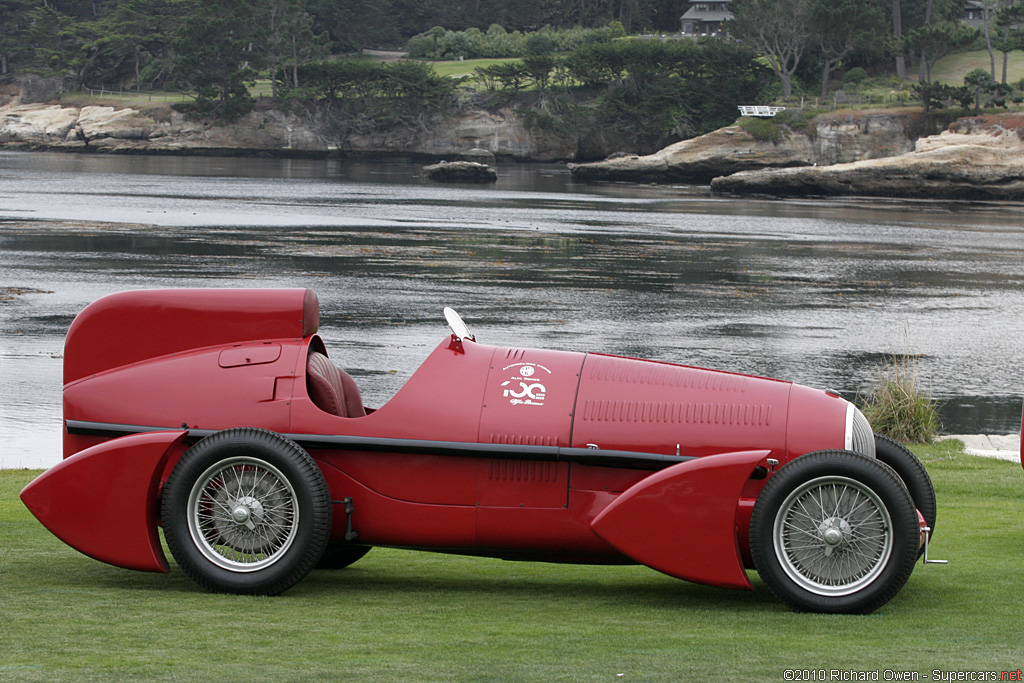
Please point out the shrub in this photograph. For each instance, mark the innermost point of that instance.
(765, 130)
(800, 119)
(540, 44)
(854, 77)
(496, 42)
(899, 408)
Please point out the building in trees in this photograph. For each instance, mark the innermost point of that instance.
(974, 14)
(706, 18)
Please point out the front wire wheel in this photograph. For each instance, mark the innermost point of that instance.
(832, 536)
(834, 531)
(246, 511)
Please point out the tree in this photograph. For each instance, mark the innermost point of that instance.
(897, 36)
(730, 71)
(507, 76)
(778, 29)
(139, 32)
(287, 40)
(979, 82)
(538, 69)
(934, 41)
(843, 27)
(355, 24)
(214, 44)
(931, 94)
(15, 18)
(46, 40)
(988, 8)
(349, 96)
(1010, 35)
(922, 68)
(908, 15)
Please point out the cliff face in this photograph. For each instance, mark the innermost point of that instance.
(844, 139)
(828, 140)
(106, 129)
(126, 130)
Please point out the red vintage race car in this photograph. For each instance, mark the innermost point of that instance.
(218, 415)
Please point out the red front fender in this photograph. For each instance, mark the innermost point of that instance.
(682, 520)
(103, 501)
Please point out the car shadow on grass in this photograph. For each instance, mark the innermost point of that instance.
(635, 586)
(611, 587)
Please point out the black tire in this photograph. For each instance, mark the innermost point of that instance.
(912, 472)
(246, 511)
(835, 532)
(341, 555)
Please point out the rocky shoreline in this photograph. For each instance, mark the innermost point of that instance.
(987, 164)
(732, 149)
(886, 154)
(976, 158)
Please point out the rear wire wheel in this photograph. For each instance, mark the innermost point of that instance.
(836, 532)
(912, 472)
(246, 511)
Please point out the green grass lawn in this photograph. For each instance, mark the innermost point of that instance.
(401, 615)
(467, 67)
(143, 99)
(952, 69)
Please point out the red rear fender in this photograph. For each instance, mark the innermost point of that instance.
(682, 520)
(103, 501)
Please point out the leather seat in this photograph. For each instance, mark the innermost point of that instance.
(331, 388)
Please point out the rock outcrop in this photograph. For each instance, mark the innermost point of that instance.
(698, 160)
(977, 160)
(123, 130)
(828, 140)
(460, 172)
(163, 130)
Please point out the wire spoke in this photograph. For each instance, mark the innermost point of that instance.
(833, 535)
(243, 513)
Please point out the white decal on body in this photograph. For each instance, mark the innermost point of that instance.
(529, 392)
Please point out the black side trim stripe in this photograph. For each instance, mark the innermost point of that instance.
(586, 456)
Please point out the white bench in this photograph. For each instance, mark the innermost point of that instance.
(759, 110)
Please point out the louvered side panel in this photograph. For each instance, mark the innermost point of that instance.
(629, 404)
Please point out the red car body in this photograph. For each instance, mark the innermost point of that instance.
(506, 452)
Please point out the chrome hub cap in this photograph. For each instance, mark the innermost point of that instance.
(240, 514)
(246, 510)
(834, 532)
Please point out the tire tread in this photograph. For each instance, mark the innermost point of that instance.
(843, 463)
(278, 577)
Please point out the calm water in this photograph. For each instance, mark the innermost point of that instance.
(819, 291)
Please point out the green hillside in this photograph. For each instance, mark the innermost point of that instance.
(952, 69)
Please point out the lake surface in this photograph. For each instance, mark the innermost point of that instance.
(822, 292)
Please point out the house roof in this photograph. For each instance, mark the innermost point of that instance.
(707, 15)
